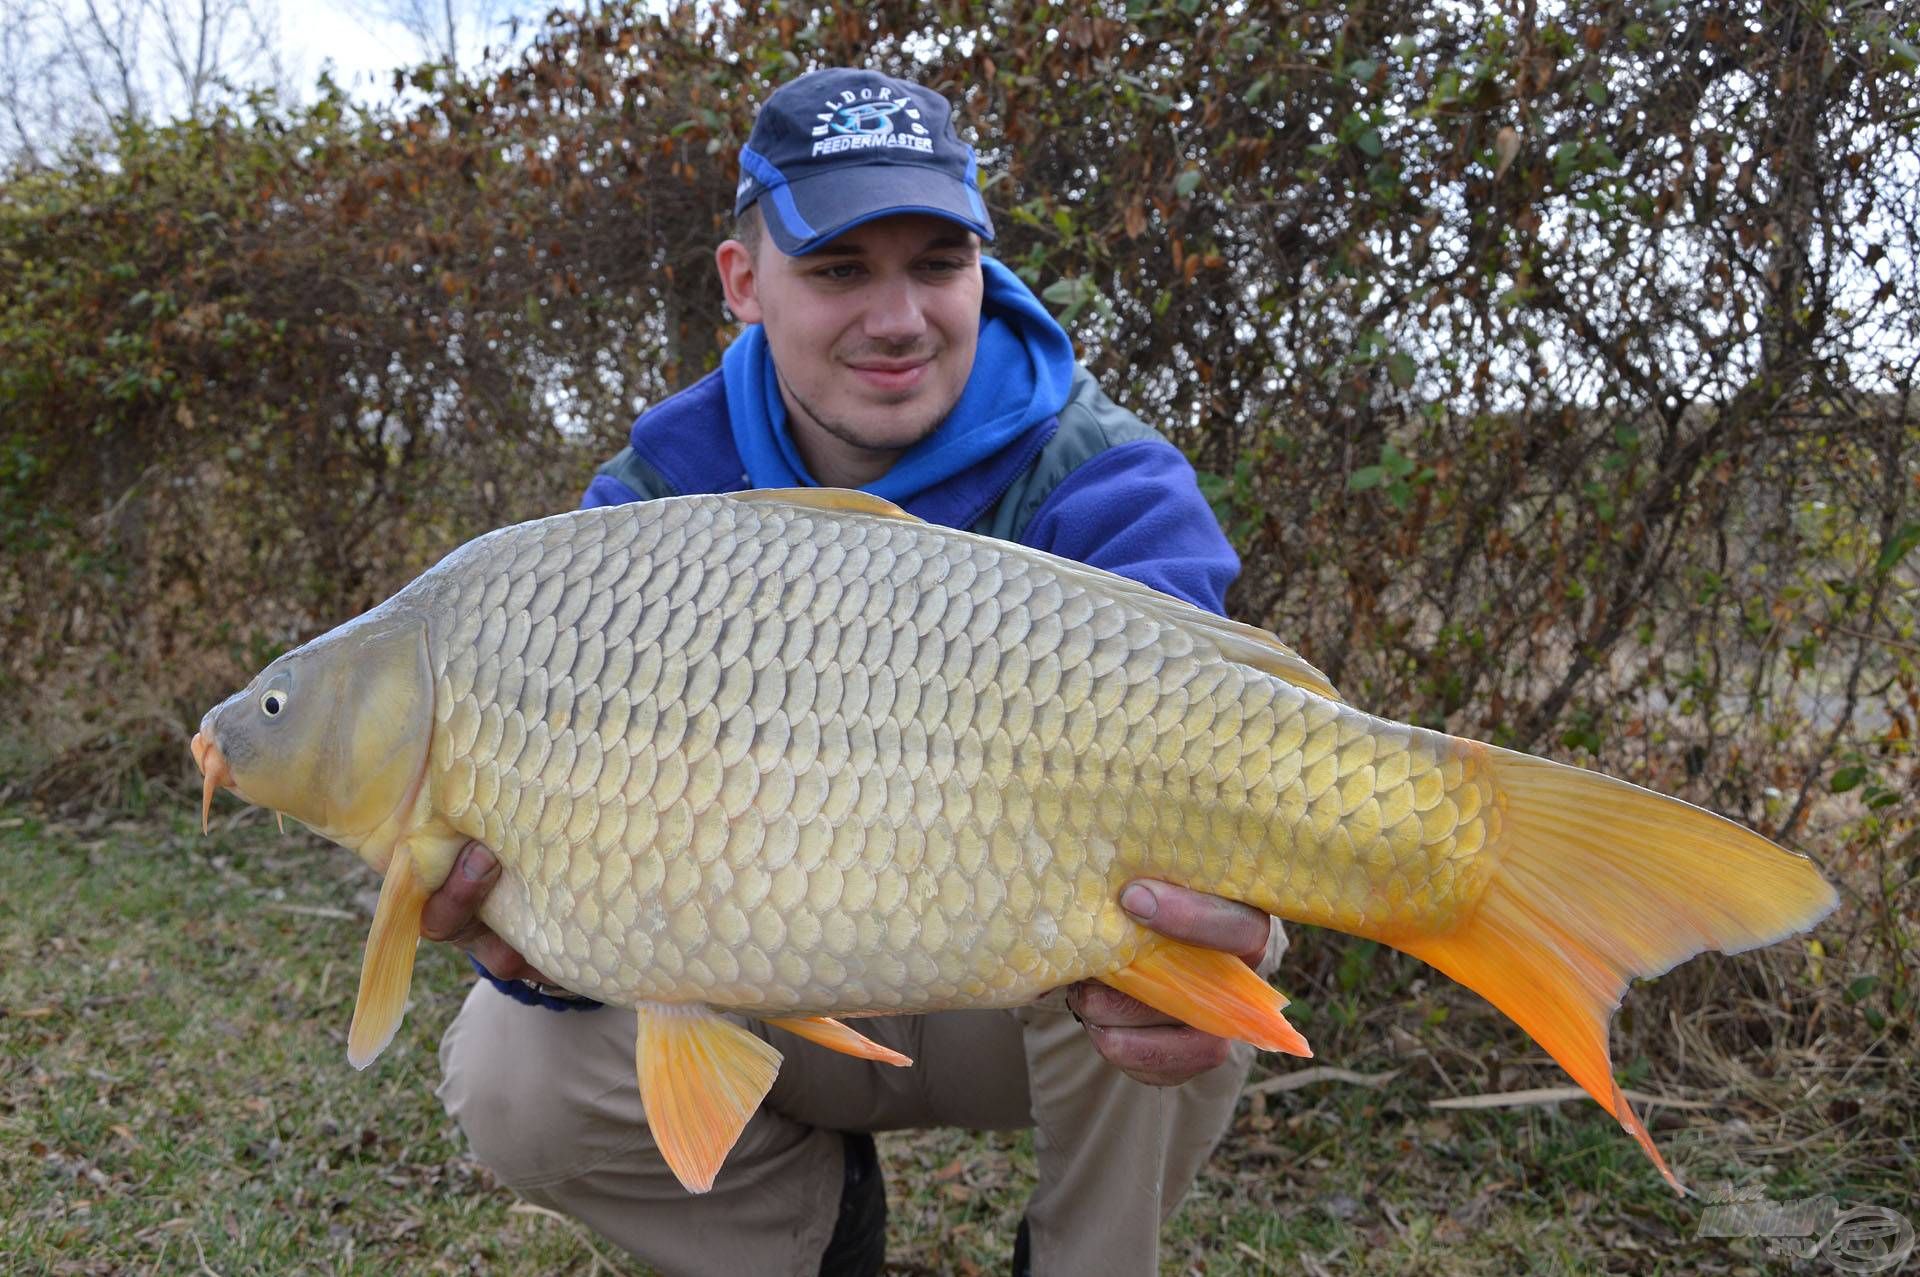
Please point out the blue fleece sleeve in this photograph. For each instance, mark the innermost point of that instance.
(1137, 510)
(521, 993)
(606, 490)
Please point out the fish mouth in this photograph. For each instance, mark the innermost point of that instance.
(214, 772)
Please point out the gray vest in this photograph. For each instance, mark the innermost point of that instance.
(1090, 423)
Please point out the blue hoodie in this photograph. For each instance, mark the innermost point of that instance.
(1033, 451)
(1131, 505)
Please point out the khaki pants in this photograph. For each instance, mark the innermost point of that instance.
(549, 1103)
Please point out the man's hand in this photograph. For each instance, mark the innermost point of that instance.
(1141, 1042)
(452, 915)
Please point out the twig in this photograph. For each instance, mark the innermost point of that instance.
(107, 516)
(311, 911)
(599, 1261)
(201, 1251)
(1257, 1256)
(1554, 1095)
(1320, 1073)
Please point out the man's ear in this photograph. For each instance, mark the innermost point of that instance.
(737, 280)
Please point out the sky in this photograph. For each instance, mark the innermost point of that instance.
(363, 53)
(362, 50)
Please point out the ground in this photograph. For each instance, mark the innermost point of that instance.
(175, 1097)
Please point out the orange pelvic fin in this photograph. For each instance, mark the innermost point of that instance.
(701, 1078)
(835, 1036)
(386, 970)
(1215, 992)
(1600, 882)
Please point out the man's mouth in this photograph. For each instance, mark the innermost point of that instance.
(892, 375)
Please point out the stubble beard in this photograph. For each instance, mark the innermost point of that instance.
(849, 434)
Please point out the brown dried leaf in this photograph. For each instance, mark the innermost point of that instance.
(1506, 145)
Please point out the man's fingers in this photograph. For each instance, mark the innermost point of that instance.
(503, 961)
(1103, 1006)
(451, 912)
(1197, 918)
(1159, 1056)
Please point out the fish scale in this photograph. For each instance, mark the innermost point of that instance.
(840, 739)
(799, 755)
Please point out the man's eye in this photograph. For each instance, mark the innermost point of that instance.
(842, 270)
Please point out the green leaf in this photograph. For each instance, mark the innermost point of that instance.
(1897, 547)
(1076, 293)
(1847, 778)
(1365, 477)
(1369, 143)
(1064, 292)
(1185, 184)
(1401, 368)
(1861, 987)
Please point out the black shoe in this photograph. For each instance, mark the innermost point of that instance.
(858, 1247)
(1023, 1251)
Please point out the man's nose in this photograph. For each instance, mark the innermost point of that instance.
(894, 313)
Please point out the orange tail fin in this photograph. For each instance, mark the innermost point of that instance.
(1599, 882)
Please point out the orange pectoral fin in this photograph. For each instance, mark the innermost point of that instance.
(835, 1036)
(701, 1078)
(386, 971)
(1215, 992)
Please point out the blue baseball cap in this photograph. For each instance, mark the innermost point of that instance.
(840, 147)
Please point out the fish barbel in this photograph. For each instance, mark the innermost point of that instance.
(799, 755)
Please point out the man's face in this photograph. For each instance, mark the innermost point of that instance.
(873, 335)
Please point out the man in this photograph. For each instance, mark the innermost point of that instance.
(883, 352)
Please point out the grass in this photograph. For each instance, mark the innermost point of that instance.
(175, 1097)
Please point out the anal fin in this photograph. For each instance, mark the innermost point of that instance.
(1214, 992)
(386, 969)
(701, 1078)
(835, 1036)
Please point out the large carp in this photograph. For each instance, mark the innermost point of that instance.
(800, 755)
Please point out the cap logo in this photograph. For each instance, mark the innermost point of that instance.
(864, 119)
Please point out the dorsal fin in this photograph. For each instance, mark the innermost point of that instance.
(1246, 644)
(842, 500)
(1250, 645)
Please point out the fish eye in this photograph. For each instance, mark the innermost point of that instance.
(273, 702)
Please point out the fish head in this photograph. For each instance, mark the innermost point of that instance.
(334, 733)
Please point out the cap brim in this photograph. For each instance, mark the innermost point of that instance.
(805, 214)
